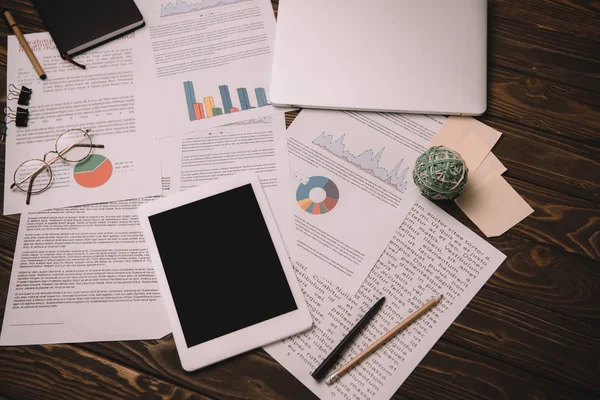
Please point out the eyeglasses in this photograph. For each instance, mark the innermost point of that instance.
(34, 176)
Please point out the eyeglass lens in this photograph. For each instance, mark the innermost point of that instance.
(74, 145)
(41, 180)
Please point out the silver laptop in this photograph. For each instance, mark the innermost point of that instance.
(414, 56)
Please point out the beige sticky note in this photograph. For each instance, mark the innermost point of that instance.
(494, 206)
(469, 137)
(490, 166)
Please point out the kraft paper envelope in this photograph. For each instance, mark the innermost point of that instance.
(469, 137)
(494, 206)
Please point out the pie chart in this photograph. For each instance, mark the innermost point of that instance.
(318, 196)
(93, 171)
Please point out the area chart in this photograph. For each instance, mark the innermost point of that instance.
(183, 7)
(368, 161)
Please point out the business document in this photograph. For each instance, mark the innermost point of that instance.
(353, 186)
(104, 99)
(430, 254)
(208, 63)
(83, 274)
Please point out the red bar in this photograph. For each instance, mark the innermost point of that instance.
(234, 109)
(199, 111)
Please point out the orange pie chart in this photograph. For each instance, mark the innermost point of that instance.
(94, 171)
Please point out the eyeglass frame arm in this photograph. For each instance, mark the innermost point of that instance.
(52, 161)
(30, 186)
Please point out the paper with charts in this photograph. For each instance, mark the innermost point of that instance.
(84, 273)
(209, 62)
(257, 145)
(353, 177)
(103, 99)
(429, 254)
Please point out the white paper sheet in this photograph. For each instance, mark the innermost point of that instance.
(353, 186)
(103, 99)
(257, 145)
(82, 274)
(431, 253)
(207, 58)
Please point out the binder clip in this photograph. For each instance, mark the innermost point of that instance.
(20, 118)
(22, 96)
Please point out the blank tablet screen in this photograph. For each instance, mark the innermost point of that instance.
(221, 265)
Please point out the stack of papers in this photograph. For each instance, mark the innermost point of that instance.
(175, 104)
(487, 198)
(184, 101)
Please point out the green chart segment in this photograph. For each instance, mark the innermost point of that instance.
(332, 195)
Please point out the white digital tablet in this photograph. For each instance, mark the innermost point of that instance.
(223, 271)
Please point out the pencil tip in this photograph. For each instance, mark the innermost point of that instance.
(43, 76)
(438, 298)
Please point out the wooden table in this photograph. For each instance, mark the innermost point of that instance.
(533, 331)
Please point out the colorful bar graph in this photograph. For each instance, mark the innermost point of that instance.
(208, 109)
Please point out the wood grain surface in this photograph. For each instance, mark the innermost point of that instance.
(532, 332)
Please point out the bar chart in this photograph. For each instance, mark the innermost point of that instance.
(208, 108)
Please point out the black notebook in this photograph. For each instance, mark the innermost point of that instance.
(79, 25)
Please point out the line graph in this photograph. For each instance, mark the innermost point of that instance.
(184, 7)
(368, 161)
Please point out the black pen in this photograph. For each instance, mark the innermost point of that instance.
(335, 354)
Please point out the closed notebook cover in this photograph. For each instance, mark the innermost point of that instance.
(76, 23)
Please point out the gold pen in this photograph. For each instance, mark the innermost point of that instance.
(17, 31)
(381, 341)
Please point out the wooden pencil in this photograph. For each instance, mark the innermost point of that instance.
(381, 341)
(17, 31)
